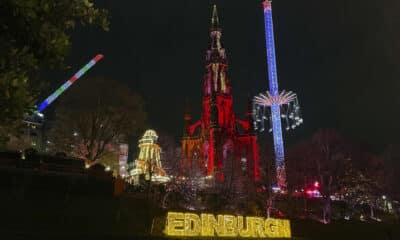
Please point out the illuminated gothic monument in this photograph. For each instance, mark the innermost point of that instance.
(219, 145)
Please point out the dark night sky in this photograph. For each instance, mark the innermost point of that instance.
(340, 57)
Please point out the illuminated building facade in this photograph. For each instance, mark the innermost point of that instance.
(149, 161)
(219, 145)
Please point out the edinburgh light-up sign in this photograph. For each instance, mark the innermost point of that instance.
(208, 225)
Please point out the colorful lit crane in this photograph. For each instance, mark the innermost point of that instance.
(68, 83)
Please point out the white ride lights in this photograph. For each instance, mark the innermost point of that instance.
(289, 109)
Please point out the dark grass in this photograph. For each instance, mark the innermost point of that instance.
(130, 218)
(46, 208)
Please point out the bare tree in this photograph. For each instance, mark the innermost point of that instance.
(359, 189)
(95, 116)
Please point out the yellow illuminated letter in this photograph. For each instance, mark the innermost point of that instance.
(271, 228)
(175, 224)
(230, 229)
(192, 225)
(248, 231)
(258, 227)
(285, 229)
(206, 231)
(210, 225)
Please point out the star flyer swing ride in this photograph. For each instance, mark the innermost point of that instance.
(272, 107)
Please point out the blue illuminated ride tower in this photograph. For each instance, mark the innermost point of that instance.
(274, 90)
(273, 107)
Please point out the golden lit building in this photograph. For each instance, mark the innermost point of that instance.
(149, 161)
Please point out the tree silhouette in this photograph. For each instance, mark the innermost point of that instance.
(35, 35)
(95, 116)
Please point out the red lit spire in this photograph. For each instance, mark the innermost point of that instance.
(215, 31)
(187, 118)
(249, 115)
(216, 62)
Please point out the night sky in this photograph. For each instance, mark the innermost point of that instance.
(340, 57)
